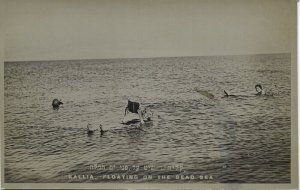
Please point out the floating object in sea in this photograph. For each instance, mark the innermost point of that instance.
(90, 130)
(133, 107)
(56, 103)
(101, 130)
(258, 89)
(227, 95)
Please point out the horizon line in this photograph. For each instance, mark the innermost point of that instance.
(116, 58)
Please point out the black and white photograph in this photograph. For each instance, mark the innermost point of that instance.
(171, 92)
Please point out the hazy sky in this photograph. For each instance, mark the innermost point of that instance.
(90, 29)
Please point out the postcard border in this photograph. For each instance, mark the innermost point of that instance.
(294, 137)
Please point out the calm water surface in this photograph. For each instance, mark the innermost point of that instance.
(243, 139)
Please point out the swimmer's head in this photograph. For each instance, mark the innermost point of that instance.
(258, 88)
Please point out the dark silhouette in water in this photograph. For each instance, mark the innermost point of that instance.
(258, 89)
(133, 107)
(101, 130)
(133, 121)
(145, 114)
(227, 95)
(91, 131)
(56, 103)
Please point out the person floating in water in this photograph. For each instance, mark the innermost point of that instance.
(56, 103)
(135, 107)
(90, 130)
(227, 95)
(258, 89)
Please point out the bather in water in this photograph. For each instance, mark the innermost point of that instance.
(90, 130)
(227, 95)
(56, 103)
(258, 89)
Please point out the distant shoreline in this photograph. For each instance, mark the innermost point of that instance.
(135, 58)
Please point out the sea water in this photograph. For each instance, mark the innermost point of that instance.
(242, 139)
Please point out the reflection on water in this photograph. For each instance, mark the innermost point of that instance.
(241, 139)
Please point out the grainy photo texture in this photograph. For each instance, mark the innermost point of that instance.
(217, 119)
(149, 92)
